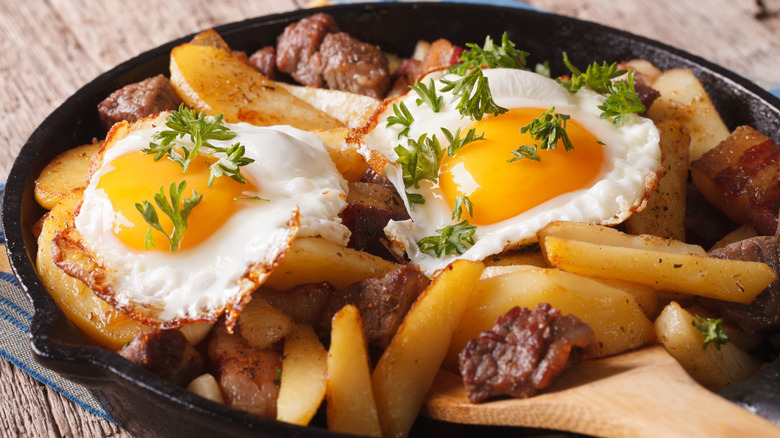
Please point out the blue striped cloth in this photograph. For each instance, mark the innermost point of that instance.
(16, 311)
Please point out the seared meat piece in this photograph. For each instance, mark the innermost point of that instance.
(138, 100)
(248, 377)
(297, 50)
(264, 60)
(369, 207)
(523, 352)
(741, 177)
(377, 178)
(382, 301)
(763, 314)
(303, 303)
(166, 353)
(354, 66)
(441, 54)
(646, 94)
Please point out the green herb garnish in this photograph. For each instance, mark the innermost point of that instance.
(414, 199)
(402, 117)
(453, 239)
(200, 129)
(428, 95)
(712, 330)
(548, 128)
(621, 97)
(419, 160)
(171, 209)
(250, 198)
(457, 209)
(456, 142)
(472, 90)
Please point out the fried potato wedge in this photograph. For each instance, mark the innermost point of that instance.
(712, 367)
(87, 311)
(304, 373)
(315, 260)
(730, 280)
(66, 172)
(262, 324)
(684, 99)
(408, 366)
(353, 110)
(206, 386)
(208, 77)
(664, 214)
(351, 406)
(617, 321)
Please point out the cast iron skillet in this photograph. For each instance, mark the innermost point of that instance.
(147, 406)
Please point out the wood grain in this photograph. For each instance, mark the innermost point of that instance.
(52, 47)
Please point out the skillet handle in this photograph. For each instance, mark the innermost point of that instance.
(759, 393)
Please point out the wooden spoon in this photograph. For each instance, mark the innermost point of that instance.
(645, 393)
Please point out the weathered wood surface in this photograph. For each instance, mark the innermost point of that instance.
(50, 48)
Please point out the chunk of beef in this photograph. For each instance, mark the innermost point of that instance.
(369, 207)
(741, 177)
(248, 377)
(382, 301)
(647, 95)
(354, 66)
(763, 314)
(141, 99)
(441, 54)
(523, 352)
(166, 353)
(297, 49)
(264, 60)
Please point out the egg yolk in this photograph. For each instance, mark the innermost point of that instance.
(136, 177)
(499, 189)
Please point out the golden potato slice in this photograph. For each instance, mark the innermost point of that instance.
(730, 280)
(304, 372)
(741, 233)
(315, 260)
(664, 214)
(353, 110)
(684, 99)
(66, 172)
(208, 77)
(262, 324)
(617, 321)
(710, 366)
(95, 317)
(206, 386)
(351, 405)
(408, 366)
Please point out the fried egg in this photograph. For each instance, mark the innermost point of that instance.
(607, 176)
(234, 236)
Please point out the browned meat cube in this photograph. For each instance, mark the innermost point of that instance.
(523, 352)
(354, 66)
(369, 207)
(264, 60)
(166, 353)
(297, 50)
(138, 100)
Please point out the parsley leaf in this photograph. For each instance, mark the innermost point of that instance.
(712, 330)
(456, 142)
(402, 117)
(171, 209)
(453, 239)
(548, 128)
(471, 90)
(414, 199)
(457, 209)
(621, 97)
(428, 95)
(420, 160)
(200, 129)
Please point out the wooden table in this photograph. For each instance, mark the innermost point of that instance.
(50, 48)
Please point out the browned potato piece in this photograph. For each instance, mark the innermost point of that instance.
(664, 214)
(262, 324)
(95, 317)
(304, 373)
(66, 172)
(208, 77)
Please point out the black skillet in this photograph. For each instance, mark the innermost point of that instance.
(147, 406)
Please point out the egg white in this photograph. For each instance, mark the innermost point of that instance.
(305, 194)
(631, 158)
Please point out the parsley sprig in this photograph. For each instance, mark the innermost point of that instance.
(621, 98)
(452, 239)
(175, 208)
(457, 209)
(547, 129)
(471, 90)
(712, 330)
(201, 129)
(428, 95)
(401, 116)
(419, 160)
(456, 143)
